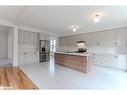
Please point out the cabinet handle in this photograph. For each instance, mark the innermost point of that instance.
(34, 52)
(98, 44)
(116, 56)
(116, 43)
(25, 53)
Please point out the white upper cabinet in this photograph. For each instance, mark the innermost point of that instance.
(122, 37)
(92, 39)
(33, 38)
(21, 37)
(27, 37)
(62, 41)
(102, 38)
(111, 38)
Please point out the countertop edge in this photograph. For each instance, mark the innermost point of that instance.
(76, 54)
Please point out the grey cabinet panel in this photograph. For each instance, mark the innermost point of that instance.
(111, 38)
(112, 60)
(27, 37)
(21, 37)
(92, 39)
(28, 42)
(109, 60)
(122, 37)
(102, 38)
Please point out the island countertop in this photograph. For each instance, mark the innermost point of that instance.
(76, 61)
(73, 53)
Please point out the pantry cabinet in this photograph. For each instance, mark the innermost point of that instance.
(27, 38)
(28, 57)
(28, 47)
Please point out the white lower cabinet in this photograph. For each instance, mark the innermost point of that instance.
(121, 63)
(21, 58)
(109, 60)
(28, 57)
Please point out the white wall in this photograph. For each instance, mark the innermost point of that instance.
(3, 44)
(10, 43)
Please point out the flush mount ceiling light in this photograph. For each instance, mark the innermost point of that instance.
(97, 17)
(74, 28)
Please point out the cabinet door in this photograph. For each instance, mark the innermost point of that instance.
(35, 57)
(111, 38)
(26, 37)
(21, 37)
(60, 41)
(121, 64)
(31, 38)
(122, 37)
(73, 41)
(35, 38)
(21, 60)
(112, 60)
(67, 41)
(26, 58)
(103, 39)
(92, 39)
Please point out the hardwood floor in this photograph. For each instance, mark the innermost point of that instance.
(14, 78)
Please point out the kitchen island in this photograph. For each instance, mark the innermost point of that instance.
(76, 61)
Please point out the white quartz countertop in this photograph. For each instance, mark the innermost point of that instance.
(77, 54)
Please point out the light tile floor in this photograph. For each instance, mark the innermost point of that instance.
(49, 76)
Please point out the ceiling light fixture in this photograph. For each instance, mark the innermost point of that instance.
(74, 29)
(96, 19)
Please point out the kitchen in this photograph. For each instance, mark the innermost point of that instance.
(67, 47)
(108, 47)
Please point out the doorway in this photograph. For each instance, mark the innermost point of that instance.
(52, 47)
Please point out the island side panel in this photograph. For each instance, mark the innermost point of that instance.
(79, 63)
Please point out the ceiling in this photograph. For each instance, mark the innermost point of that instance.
(59, 19)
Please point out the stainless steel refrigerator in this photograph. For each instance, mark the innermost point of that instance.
(44, 50)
